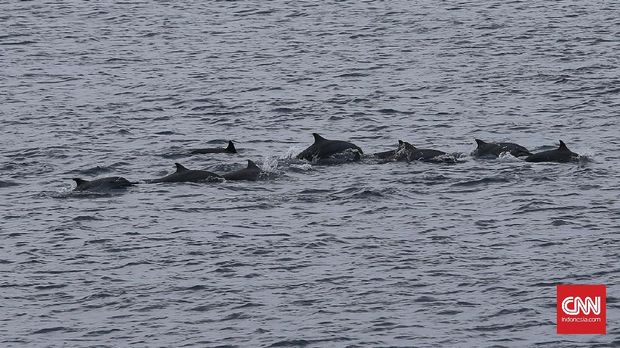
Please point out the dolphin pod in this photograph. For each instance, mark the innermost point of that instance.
(182, 174)
(325, 151)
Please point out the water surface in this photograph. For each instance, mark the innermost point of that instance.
(361, 254)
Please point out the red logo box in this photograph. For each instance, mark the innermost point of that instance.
(581, 309)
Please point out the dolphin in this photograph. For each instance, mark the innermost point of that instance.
(187, 175)
(495, 149)
(229, 149)
(385, 154)
(250, 173)
(324, 148)
(408, 152)
(561, 155)
(101, 184)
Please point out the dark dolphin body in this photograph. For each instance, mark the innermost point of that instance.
(412, 153)
(395, 155)
(250, 173)
(187, 175)
(495, 149)
(561, 155)
(324, 148)
(101, 184)
(229, 149)
(408, 152)
(387, 155)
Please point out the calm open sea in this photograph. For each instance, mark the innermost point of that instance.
(356, 255)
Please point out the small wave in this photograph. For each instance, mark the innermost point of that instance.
(4, 183)
(389, 111)
(368, 194)
(425, 298)
(50, 287)
(493, 327)
(93, 170)
(483, 181)
(315, 191)
(535, 207)
(284, 110)
(86, 218)
(98, 241)
(17, 43)
(204, 308)
(90, 194)
(304, 343)
(357, 193)
(100, 332)
(192, 288)
(52, 329)
(123, 132)
(122, 59)
(433, 179)
(510, 311)
(204, 107)
(355, 74)
(303, 167)
(583, 160)
(12, 35)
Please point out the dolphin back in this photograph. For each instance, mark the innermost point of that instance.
(561, 155)
(183, 174)
(324, 148)
(496, 149)
(102, 184)
(250, 173)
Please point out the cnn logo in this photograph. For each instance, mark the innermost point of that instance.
(581, 309)
(576, 305)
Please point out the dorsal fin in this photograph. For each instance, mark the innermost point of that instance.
(80, 182)
(480, 142)
(563, 146)
(400, 143)
(317, 138)
(231, 147)
(180, 168)
(251, 164)
(407, 144)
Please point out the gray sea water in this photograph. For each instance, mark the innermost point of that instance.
(355, 255)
